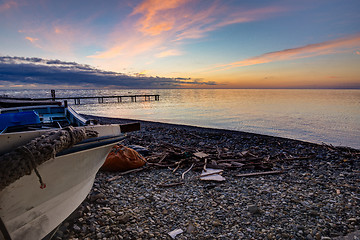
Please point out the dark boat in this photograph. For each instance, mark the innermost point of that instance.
(6, 102)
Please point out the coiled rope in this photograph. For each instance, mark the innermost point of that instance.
(22, 160)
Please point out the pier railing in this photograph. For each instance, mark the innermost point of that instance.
(133, 98)
(120, 98)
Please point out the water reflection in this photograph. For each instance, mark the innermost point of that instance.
(330, 116)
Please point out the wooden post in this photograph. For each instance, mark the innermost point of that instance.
(53, 94)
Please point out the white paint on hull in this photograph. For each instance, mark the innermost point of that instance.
(10, 141)
(30, 212)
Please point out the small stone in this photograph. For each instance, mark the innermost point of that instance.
(190, 228)
(216, 223)
(124, 218)
(93, 198)
(309, 237)
(253, 209)
(352, 220)
(313, 213)
(76, 228)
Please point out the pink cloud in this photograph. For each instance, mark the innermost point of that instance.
(56, 37)
(7, 5)
(187, 20)
(311, 50)
(157, 28)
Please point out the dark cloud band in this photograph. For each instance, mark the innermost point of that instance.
(21, 70)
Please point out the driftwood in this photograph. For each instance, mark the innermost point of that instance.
(259, 173)
(177, 157)
(183, 175)
(212, 175)
(126, 172)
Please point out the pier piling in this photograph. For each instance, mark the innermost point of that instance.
(133, 98)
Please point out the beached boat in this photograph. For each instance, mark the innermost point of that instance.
(36, 199)
(6, 102)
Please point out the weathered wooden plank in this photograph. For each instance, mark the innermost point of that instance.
(259, 173)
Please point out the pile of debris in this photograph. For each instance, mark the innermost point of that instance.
(211, 162)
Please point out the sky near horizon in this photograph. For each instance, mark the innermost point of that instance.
(180, 43)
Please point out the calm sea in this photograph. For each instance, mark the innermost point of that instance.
(321, 116)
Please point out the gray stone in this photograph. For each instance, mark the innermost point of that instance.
(254, 209)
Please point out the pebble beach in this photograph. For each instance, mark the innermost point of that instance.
(315, 194)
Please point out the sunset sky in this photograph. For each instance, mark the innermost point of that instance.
(180, 43)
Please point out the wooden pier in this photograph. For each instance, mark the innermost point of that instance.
(134, 98)
(100, 99)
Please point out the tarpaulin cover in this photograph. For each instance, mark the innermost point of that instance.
(122, 158)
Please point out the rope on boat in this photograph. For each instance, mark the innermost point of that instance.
(33, 164)
(22, 160)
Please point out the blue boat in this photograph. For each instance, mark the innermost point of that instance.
(39, 117)
(42, 184)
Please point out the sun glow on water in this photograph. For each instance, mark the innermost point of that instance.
(329, 116)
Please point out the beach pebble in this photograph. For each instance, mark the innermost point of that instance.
(316, 198)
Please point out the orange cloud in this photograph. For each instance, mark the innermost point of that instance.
(7, 5)
(167, 53)
(57, 30)
(311, 50)
(157, 28)
(131, 46)
(153, 21)
(32, 40)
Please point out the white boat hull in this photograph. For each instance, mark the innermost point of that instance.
(29, 212)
